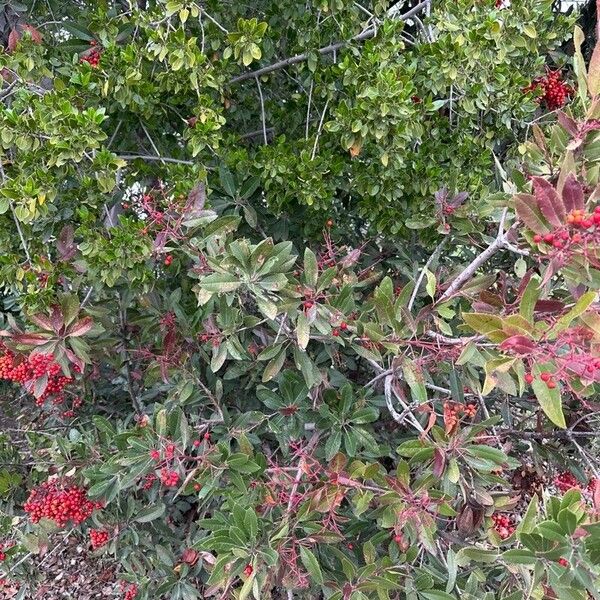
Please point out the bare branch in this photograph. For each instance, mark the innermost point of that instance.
(500, 242)
(298, 58)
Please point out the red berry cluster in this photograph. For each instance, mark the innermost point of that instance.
(26, 371)
(60, 501)
(129, 590)
(92, 56)
(4, 547)
(169, 478)
(554, 92)
(503, 525)
(566, 481)
(149, 480)
(98, 538)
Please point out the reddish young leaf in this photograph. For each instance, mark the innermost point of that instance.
(13, 40)
(570, 125)
(518, 344)
(31, 339)
(80, 327)
(528, 212)
(549, 202)
(36, 36)
(439, 462)
(573, 194)
(42, 321)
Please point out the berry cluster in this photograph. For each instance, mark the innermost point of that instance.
(503, 525)
(60, 501)
(149, 480)
(337, 330)
(98, 538)
(453, 411)
(26, 371)
(129, 590)
(92, 56)
(577, 219)
(554, 92)
(566, 481)
(169, 478)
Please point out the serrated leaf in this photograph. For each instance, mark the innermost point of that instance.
(311, 564)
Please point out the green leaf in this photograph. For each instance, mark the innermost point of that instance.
(302, 330)
(549, 400)
(332, 446)
(311, 564)
(413, 375)
(519, 557)
(311, 268)
(150, 513)
(274, 366)
(437, 595)
(227, 181)
(220, 283)
(580, 307)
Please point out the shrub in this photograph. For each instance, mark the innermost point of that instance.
(353, 355)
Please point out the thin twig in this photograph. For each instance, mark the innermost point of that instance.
(262, 112)
(331, 48)
(314, 151)
(433, 257)
(149, 157)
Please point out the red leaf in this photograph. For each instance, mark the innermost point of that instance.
(549, 202)
(573, 194)
(80, 327)
(439, 462)
(36, 36)
(528, 212)
(31, 339)
(13, 40)
(549, 306)
(567, 123)
(41, 321)
(519, 344)
(57, 319)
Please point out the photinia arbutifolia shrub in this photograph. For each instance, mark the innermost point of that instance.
(299, 301)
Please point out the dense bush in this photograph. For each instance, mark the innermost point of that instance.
(286, 316)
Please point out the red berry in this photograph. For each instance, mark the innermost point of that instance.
(344, 325)
(545, 376)
(551, 384)
(537, 238)
(529, 378)
(335, 332)
(397, 538)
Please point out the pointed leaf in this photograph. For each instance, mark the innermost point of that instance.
(528, 212)
(573, 194)
(549, 202)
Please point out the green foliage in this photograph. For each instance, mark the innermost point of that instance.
(305, 339)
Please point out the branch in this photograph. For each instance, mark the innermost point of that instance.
(155, 158)
(298, 58)
(15, 219)
(433, 257)
(500, 242)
